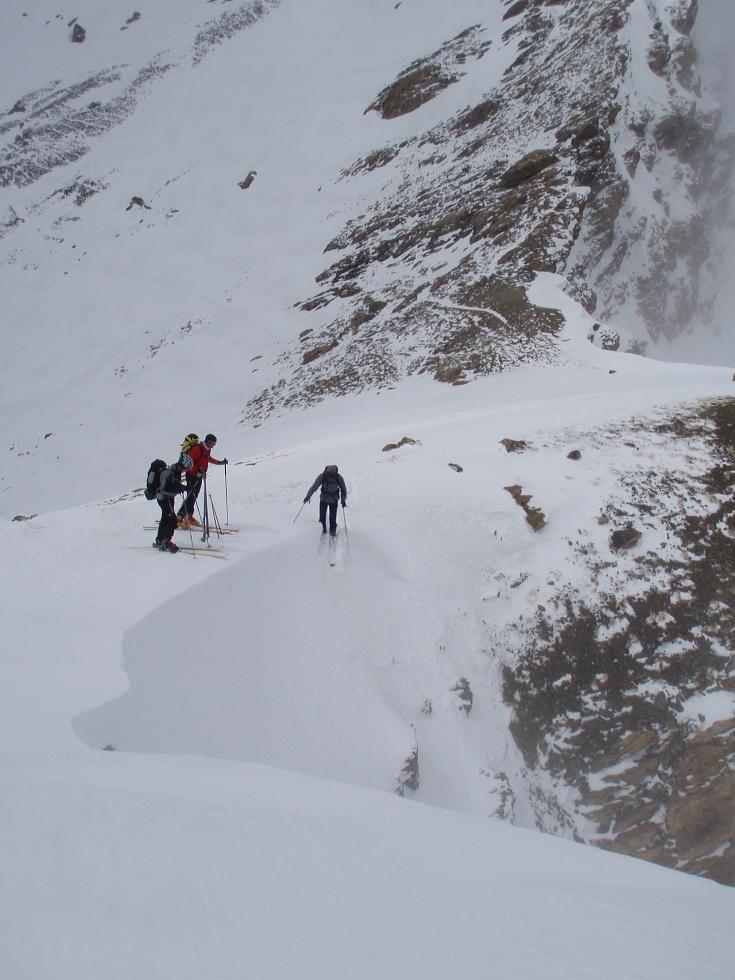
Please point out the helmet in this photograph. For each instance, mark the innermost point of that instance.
(186, 461)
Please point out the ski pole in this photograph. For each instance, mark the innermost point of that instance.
(217, 525)
(191, 534)
(347, 537)
(300, 509)
(205, 514)
(227, 502)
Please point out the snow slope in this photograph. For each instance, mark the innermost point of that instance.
(256, 704)
(165, 856)
(122, 309)
(186, 868)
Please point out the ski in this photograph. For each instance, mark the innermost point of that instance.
(205, 552)
(202, 549)
(212, 530)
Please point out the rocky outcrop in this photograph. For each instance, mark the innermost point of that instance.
(624, 538)
(408, 778)
(534, 515)
(646, 258)
(585, 176)
(426, 78)
(527, 167)
(405, 441)
(627, 695)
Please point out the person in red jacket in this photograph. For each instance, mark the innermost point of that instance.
(201, 457)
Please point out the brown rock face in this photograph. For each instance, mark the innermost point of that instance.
(425, 79)
(527, 167)
(514, 446)
(315, 352)
(411, 91)
(614, 709)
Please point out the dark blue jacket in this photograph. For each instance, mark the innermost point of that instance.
(328, 476)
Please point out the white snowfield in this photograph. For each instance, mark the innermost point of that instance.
(186, 868)
(260, 710)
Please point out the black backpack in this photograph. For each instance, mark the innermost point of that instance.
(153, 481)
(330, 483)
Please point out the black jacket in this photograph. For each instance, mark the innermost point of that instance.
(332, 476)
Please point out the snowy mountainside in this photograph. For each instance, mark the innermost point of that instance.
(169, 186)
(272, 205)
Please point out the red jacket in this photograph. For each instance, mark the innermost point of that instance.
(201, 457)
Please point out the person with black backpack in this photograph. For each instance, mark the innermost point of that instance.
(332, 486)
(169, 486)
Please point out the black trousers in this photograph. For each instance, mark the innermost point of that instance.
(193, 486)
(168, 522)
(323, 504)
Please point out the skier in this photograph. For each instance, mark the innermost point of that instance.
(201, 457)
(332, 486)
(169, 487)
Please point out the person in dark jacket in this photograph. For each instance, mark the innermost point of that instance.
(169, 487)
(332, 486)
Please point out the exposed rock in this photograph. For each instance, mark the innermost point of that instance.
(373, 161)
(514, 446)
(405, 441)
(131, 20)
(411, 91)
(515, 9)
(424, 79)
(24, 517)
(574, 454)
(78, 34)
(601, 693)
(137, 202)
(9, 220)
(464, 692)
(624, 538)
(456, 467)
(476, 116)
(408, 778)
(315, 352)
(683, 14)
(534, 515)
(527, 167)
(247, 181)
(658, 53)
(609, 340)
(450, 373)
(226, 25)
(460, 186)
(367, 312)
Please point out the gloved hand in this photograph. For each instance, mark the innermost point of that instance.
(306, 500)
(224, 461)
(344, 504)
